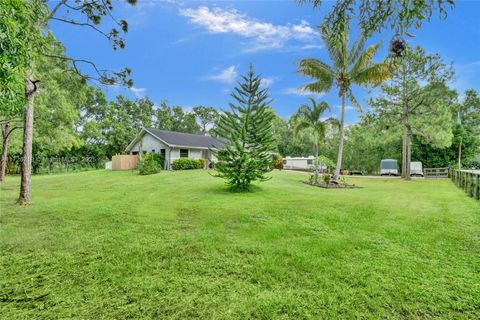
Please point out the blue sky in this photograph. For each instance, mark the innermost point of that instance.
(190, 53)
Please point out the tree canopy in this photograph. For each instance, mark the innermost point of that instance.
(376, 15)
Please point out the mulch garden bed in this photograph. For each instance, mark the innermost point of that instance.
(332, 185)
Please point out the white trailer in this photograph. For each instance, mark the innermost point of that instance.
(416, 168)
(301, 163)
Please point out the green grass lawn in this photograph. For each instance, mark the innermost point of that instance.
(178, 245)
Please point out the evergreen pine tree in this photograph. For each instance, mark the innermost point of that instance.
(248, 129)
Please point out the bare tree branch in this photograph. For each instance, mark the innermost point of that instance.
(12, 129)
(87, 4)
(55, 9)
(104, 76)
(110, 13)
(84, 24)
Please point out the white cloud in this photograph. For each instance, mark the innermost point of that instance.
(138, 92)
(226, 75)
(265, 35)
(311, 46)
(267, 82)
(300, 92)
(348, 107)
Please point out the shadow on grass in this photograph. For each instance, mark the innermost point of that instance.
(224, 189)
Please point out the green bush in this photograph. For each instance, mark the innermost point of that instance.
(472, 165)
(186, 164)
(202, 162)
(327, 178)
(151, 163)
(326, 161)
(278, 164)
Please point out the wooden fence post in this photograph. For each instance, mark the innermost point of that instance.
(469, 184)
(478, 186)
(469, 181)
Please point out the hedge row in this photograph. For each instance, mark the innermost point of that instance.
(188, 164)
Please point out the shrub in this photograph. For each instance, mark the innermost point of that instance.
(473, 165)
(278, 164)
(327, 178)
(151, 163)
(274, 164)
(202, 162)
(343, 181)
(186, 164)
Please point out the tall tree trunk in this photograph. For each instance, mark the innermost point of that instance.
(408, 155)
(404, 125)
(405, 142)
(340, 143)
(317, 171)
(30, 90)
(460, 155)
(5, 140)
(404, 152)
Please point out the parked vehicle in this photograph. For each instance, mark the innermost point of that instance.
(416, 168)
(389, 167)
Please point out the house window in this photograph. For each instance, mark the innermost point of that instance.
(183, 153)
(163, 152)
(309, 162)
(153, 150)
(284, 161)
(134, 153)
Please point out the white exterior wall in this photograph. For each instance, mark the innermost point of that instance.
(192, 153)
(150, 143)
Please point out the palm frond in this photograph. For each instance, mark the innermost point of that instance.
(319, 71)
(335, 45)
(372, 75)
(364, 58)
(353, 100)
(323, 106)
(320, 129)
(333, 121)
(357, 50)
(318, 86)
(314, 103)
(301, 125)
(304, 111)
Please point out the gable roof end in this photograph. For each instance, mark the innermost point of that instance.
(179, 139)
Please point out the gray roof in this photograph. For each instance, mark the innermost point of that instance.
(181, 139)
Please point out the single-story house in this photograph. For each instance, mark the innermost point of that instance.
(174, 145)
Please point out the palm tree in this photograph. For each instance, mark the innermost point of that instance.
(311, 118)
(350, 66)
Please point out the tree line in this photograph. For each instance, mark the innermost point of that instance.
(77, 126)
(73, 117)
